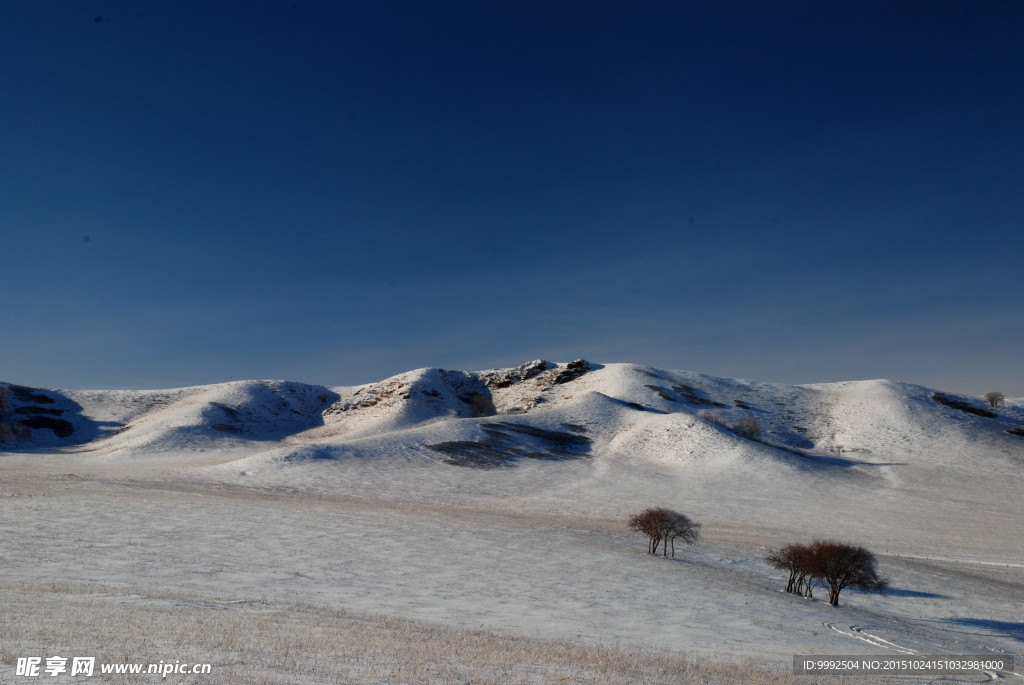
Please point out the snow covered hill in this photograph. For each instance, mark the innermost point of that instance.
(498, 499)
(629, 411)
(584, 436)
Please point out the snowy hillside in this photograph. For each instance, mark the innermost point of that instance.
(529, 461)
(850, 444)
(626, 405)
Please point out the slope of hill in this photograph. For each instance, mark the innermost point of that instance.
(182, 418)
(587, 437)
(498, 499)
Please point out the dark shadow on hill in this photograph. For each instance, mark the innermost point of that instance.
(961, 405)
(840, 462)
(508, 443)
(683, 393)
(46, 419)
(1011, 629)
(313, 453)
(636, 406)
(808, 459)
(273, 410)
(792, 439)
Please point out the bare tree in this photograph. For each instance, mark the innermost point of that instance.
(794, 558)
(994, 398)
(832, 564)
(681, 527)
(663, 527)
(840, 566)
(650, 522)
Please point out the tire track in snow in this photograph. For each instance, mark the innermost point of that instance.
(860, 634)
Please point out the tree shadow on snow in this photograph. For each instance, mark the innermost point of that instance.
(825, 460)
(901, 592)
(1012, 629)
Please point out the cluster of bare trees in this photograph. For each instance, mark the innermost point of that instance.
(663, 527)
(831, 564)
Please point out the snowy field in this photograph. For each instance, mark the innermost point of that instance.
(284, 532)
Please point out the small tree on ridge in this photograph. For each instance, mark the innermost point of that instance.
(994, 398)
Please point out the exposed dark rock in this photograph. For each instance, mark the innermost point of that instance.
(505, 378)
(573, 370)
(368, 397)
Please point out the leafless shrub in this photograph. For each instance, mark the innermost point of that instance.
(712, 418)
(663, 527)
(994, 398)
(747, 427)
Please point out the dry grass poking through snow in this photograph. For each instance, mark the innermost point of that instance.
(258, 642)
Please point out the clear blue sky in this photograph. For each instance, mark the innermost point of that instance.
(334, 192)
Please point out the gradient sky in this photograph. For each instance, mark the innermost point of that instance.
(335, 192)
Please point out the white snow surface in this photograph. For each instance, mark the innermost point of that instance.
(334, 495)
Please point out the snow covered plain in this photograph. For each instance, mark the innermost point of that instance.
(285, 532)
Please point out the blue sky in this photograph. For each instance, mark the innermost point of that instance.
(334, 192)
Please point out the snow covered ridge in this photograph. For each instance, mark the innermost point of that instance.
(501, 499)
(552, 411)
